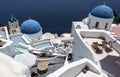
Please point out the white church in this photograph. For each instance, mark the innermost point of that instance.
(30, 27)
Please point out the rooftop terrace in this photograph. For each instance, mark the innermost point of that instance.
(106, 54)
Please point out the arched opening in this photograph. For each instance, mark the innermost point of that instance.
(78, 27)
(96, 25)
(106, 25)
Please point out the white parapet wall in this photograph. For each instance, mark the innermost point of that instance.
(75, 68)
(81, 49)
(102, 33)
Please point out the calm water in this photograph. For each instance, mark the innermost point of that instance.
(55, 16)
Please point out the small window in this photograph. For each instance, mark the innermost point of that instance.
(78, 27)
(12, 25)
(96, 25)
(106, 25)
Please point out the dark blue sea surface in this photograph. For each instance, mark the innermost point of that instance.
(55, 16)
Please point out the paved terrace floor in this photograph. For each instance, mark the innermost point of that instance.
(108, 60)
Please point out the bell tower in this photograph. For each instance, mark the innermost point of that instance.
(14, 27)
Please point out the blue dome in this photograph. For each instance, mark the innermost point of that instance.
(30, 26)
(102, 11)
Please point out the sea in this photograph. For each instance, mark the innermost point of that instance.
(54, 16)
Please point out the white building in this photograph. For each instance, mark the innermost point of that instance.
(13, 25)
(32, 28)
(101, 17)
(94, 29)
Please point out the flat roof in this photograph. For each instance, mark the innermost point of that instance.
(17, 38)
(42, 44)
(106, 58)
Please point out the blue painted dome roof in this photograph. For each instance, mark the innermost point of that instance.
(30, 26)
(102, 11)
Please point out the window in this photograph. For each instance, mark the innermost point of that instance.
(78, 27)
(12, 25)
(96, 25)
(106, 25)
